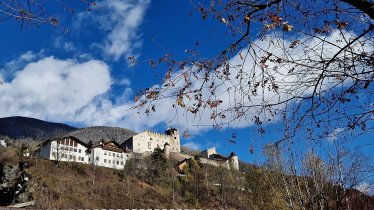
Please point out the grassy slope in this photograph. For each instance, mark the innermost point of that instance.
(83, 186)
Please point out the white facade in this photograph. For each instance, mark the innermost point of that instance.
(3, 143)
(70, 149)
(148, 141)
(102, 155)
(65, 149)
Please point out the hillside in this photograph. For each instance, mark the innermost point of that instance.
(97, 133)
(23, 127)
(153, 182)
(86, 186)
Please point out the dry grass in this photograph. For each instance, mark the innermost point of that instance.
(73, 185)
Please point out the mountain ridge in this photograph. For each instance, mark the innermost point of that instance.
(98, 133)
(18, 127)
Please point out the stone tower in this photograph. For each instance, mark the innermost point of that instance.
(166, 150)
(207, 153)
(234, 161)
(174, 137)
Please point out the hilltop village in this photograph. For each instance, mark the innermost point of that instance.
(112, 154)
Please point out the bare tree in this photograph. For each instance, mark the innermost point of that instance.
(309, 179)
(311, 60)
(36, 12)
(58, 152)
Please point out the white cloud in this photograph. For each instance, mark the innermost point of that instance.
(60, 43)
(365, 188)
(298, 83)
(121, 21)
(15, 65)
(331, 137)
(192, 145)
(72, 91)
(54, 89)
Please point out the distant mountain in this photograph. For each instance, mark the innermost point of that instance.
(98, 133)
(23, 127)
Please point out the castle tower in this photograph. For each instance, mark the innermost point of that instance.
(207, 153)
(174, 139)
(234, 161)
(166, 150)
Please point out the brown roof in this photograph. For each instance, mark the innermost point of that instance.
(111, 146)
(177, 156)
(61, 138)
(217, 157)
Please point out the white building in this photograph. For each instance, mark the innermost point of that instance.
(107, 153)
(3, 143)
(147, 141)
(65, 149)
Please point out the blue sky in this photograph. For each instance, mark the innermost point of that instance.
(78, 73)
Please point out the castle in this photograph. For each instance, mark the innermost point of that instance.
(108, 153)
(148, 141)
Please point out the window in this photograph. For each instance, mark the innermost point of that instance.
(121, 156)
(53, 154)
(97, 158)
(122, 163)
(109, 161)
(65, 156)
(104, 152)
(118, 155)
(75, 144)
(80, 150)
(82, 158)
(70, 156)
(149, 145)
(104, 160)
(117, 162)
(75, 149)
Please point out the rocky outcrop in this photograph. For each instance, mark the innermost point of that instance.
(14, 186)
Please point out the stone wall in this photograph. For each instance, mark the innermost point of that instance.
(147, 141)
(224, 164)
(208, 152)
